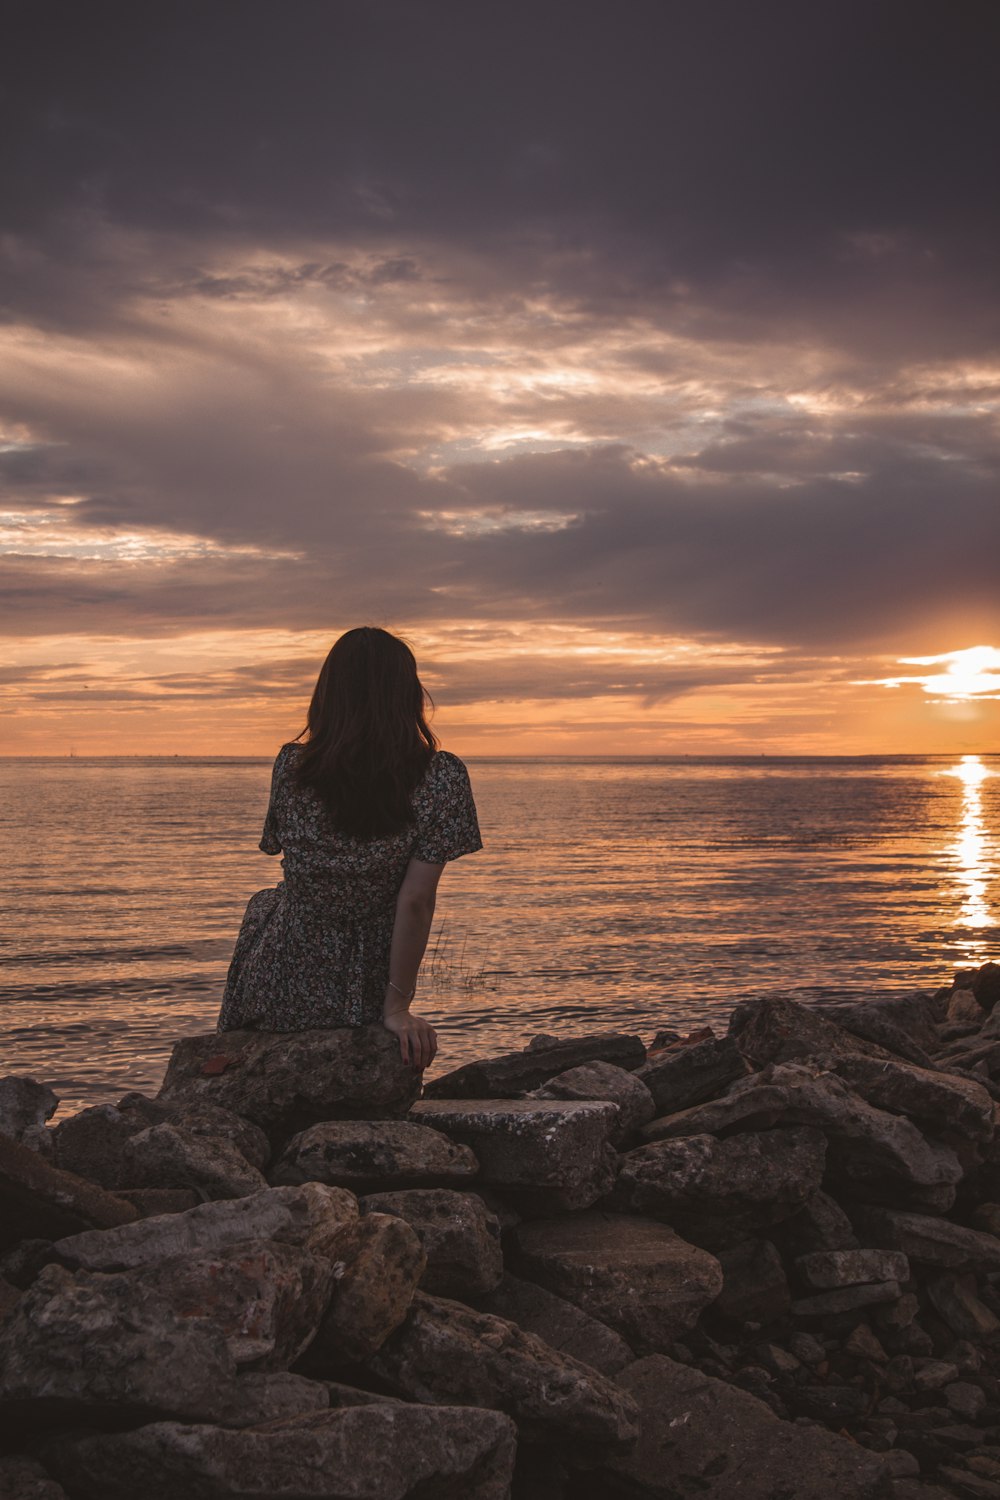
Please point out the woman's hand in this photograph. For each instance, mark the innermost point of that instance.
(417, 1042)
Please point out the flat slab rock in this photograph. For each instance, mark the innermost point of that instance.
(928, 1239)
(459, 1234)
(684, 1076)
(373, 1452)
(705, 1437)
(556, 1149)
(40, 1201)
(634, 1274)
(287, 1081)
(563, 1325)
(368, 1154)
(832, 1268)
(603, 1080)
(514, 1073)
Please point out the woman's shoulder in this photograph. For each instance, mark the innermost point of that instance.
(444, 766)
(287, 755)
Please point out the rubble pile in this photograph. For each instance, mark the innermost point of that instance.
(764, 1264)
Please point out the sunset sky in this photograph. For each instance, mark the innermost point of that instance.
(638, 361)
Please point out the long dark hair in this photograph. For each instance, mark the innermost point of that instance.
(369, 741)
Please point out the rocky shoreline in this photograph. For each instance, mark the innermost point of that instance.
(764, 1264)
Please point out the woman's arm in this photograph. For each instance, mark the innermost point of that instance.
(410, 930)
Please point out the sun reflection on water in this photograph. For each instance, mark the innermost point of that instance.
(970, 852)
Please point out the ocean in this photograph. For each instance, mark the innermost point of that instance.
(633, 894)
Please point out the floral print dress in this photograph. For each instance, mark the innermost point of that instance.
(314, 950)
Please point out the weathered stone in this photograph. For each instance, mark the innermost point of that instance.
(686, 1076)
(312, 1216)
(555, 1151)
(370, 1154)
(963, 1006)
(24, 1108)
(965, 1400)
(447, 1353)
(24, 1479)
(461, 1238)
(602, 1080)
(861, 1343)
(559, 1323)
(634, 1274)
(169, 1156)
(932, 1241)
(941, 1101)
(984, 983)
(151, 1202)
(716, 1192)
(271, 1396)
(898, 1314)
(820, 1224)
(846, 1299)
(905, 1025)
(773, 1030)
(514, 1073)
(10, 1296)
(287, 1081)
(380, 1263)
(754, 1285)
(373, 1452)
(966, 1315)
(39, 1201)
(706, 1437)
(866, 1145)
(831, 1268)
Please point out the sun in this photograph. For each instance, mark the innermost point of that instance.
(972, 673)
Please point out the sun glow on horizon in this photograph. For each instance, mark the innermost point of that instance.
(971, 673)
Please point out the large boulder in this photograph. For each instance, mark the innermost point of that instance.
(775, 1030)
(634, 1274)
(929, 1240)
(515, 1073)
(905, 1025)
(702, 1436)
(555, 1152)
(754, 1286)
(942, 1102)
(561, 1324)
(24, 1479)
(447, 1353)
(460, 1237)
(376, 1451)
(24, 1108)
(287, 1081)
(39, 1201)
(717, 1192)
(378, 1268)
(682, 1076)
(313, 1216)
(366, 1155)
(170, 1156)
(602, 1080)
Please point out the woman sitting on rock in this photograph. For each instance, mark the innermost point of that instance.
(366, 812)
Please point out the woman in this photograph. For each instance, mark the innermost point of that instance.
(367, 813)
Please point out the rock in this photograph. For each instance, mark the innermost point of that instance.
(286, 1081)
(905, 1025)
(373, 1452)
(151, 1202)
(559, 1323)
(773, 1030)
(459, 1235)
(377, 1272)
(969, 1485)
(447, 1353)
(169, 1156)
(820, 1224)
(678, 1079)
(984, 983)
(24, 1108)
(867, 1146)
(703, 1436)
(602, 1080)
(271, 1396)
(933, 1374)
(10, 1296)
(846, 1299)
(965, 1400)
(827, 1269)
(556, 1153)
(754, 1285)
(941, 1101)
(515, 1073)
(963, 1006)
(371, 1154)
(932, 1241)
(861, 1343)
(634, 1274)
(24, 1479)
(965, 1314)
(39, 1201)
(313, 1216)
(716, 1192)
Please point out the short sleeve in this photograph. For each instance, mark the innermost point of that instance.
(270, 842)
(447, 825)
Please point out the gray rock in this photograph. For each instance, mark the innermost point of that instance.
(866, 1145)
(447, 1353)
(831, 1268)
(271, 1396)
(820, 1224)
(559, 1323)
(378, 1269)
(717, 1192)
(24, 1108)
(963, 1006)
(460, 1237)
(169, 1156)
(286, 1081)
(151, 1202)
(774, 1030)
(366, 1155)
(685, 1076)
(313, 1216)
(39, 1201)
(556, 1153)
(905, 1025)
(24, 1479)
(634, 1274)
(703, 1436)
(941, 1101)
(984, 983)
(966, 1315)
(846, 1299)
(754, 1284)
(602, 1080)
(373, 1452)
(515, 1073)
(10, 1296)
(928, 1240)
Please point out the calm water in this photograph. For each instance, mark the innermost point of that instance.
(634, 894)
